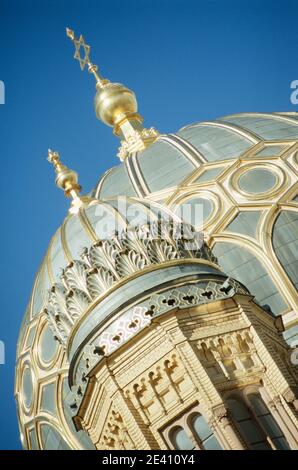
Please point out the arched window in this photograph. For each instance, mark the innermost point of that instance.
(191, 431)
(267, 422)
(248, 427)
(180, 439)
(202, 430)
(256, 424)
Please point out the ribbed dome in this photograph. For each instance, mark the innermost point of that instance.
(195, 146)
(240, 169)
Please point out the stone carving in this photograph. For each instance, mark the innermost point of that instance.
(115, 434)
(108, 261)
(135, 319)
(228, 354)
(161, 388)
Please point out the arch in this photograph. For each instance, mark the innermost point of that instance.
(202, 431)
(180, 439)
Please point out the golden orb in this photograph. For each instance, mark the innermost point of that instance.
(114, 102)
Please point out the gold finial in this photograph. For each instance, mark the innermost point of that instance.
(80, 44)
(66, 179)
(115, 105)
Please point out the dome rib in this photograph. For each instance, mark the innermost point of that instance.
(139, 173)
(135, 175)
(189, 151)
(100, 183)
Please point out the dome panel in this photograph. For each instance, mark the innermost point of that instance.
(27, 387)
(240, 263)
(209, 175)
(285, 243)
(116, 182)
(57, 254)
(160, 159)
(48, 345)
(215, 143)
(271, 150)
(195, 210)
(245, 223)
(51, 439)
(33, 439)
(76, 237)
(48, 400)
(23, 330)
(103, 220)
(38, 293)
(268, 127)
(257, 181)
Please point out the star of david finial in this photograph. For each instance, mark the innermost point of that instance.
(81, 46)
(115, 104)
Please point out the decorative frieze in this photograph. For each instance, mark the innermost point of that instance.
(109, 261)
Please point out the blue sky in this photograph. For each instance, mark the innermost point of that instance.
(186, 60)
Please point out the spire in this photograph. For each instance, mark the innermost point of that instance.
(115, 105)
(67, 180)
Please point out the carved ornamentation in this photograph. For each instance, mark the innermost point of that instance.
(108, 261)
(229, 355)
(115, 435)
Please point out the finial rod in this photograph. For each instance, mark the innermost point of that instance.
(92, 68)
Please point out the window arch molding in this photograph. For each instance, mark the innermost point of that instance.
(185, 422)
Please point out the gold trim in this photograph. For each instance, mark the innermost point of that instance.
(193, 155)
(98, 187)
(27, 409)
(206, 195)
(279, 173)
